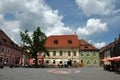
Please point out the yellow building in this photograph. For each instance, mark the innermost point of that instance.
(65, 50)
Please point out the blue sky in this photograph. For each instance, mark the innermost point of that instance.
(96, 21)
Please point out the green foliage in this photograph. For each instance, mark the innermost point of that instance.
(33, 44)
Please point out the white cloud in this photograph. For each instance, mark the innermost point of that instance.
(12, 26)
(99, 45)
(96, 7)
(1, 17)
(30, 14)
(93, 26)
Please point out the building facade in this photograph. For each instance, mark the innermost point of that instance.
(105, 53)
(63, 50)
(67, 50)
(111, 55)
(89, 55)
(9, 51)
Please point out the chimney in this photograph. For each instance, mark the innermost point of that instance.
(115, 39)
(119, 35)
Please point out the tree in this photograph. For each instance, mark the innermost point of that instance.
(34, 44)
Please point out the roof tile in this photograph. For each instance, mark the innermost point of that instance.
(63, 41)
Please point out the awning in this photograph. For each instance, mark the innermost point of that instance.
(110, 59)
(66, 60)
(116, 58)
(58, 60)
(104, 60)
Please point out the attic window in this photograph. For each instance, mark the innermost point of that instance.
(16, 45)
(55, 41)
(69, 41)
(86, 46)
(12, 43)
(4, 40)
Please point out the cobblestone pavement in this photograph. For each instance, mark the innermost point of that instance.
(57, 74)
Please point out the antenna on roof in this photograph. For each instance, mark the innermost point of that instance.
(119, 36)
(75, 32)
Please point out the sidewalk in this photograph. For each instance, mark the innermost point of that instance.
(55, 74)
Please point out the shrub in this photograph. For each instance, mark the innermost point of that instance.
(11, 66)
(1, 66)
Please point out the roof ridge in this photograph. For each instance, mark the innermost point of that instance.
(6, 40)
(63, 35)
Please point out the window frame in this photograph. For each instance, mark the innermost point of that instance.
(69, 42)
(88, 53)
(94, 53)
(74, 53)
(55, 42)
(82, 53)
(54, 53)
(60, 53)
(2, 49)
(69, 53)
(88, 62)
(1, 59)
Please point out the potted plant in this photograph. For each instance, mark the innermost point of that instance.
(11, 66)
(1, 66)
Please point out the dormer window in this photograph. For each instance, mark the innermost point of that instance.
(5, 40)
(86, 47)
(55, 41)
(12, 43)
(69, 41)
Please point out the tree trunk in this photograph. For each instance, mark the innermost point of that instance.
(36, 61)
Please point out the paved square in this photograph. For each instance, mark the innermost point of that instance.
(57, 74)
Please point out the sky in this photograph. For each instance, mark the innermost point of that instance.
(96, 21)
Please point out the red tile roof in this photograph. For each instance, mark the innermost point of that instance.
(63, 41)
(86, 46)
(107, 47)
(5, 40)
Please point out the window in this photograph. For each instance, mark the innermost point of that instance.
(3, 50)
(13, 60)
(95, 62)
(5, 40)
(40, 61)
(7, 60)
(54, 53)
(69, 53)
(60, 54)
(74, 53)
(88, 61)
(69, 41)
(55, 41)
(60, 62)
(82, 53)
(54, 62)
(33, 61)
(81, 61)
(8, 51)
(47, 61)
(49, 53)
(94, 53)
(1, 59)
(12, 43)
(88, 53)
(86, 47)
